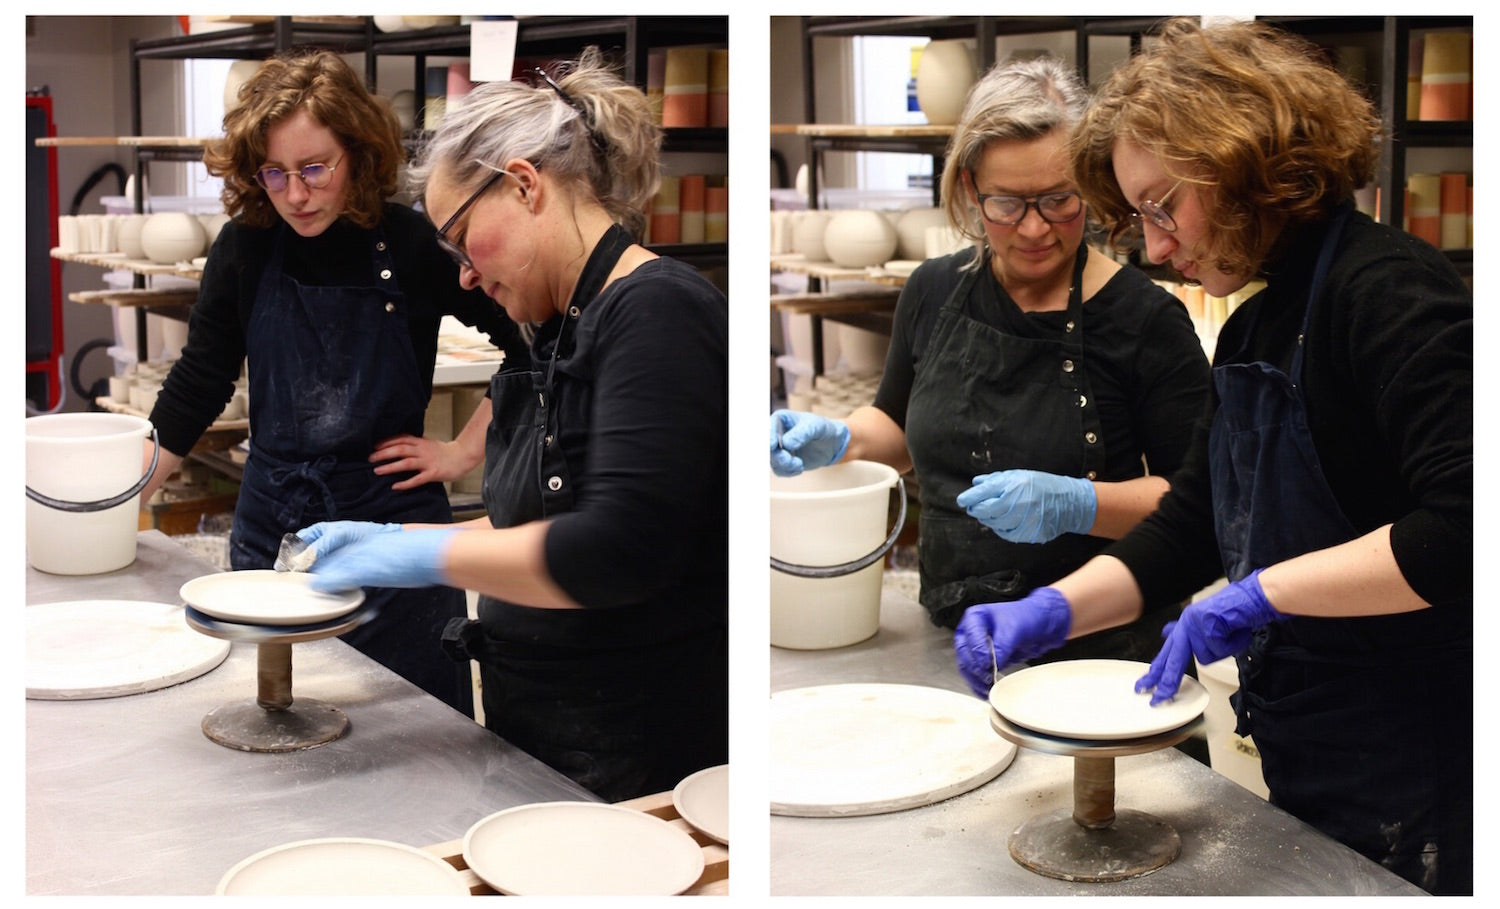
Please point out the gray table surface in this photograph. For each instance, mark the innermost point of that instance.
(127, 796)
(1233, 842)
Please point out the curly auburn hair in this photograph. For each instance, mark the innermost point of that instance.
(321, 83)
(1254, 117)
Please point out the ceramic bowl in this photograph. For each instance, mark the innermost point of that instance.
(172, 236)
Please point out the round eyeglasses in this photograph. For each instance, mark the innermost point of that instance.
(1008, 211)
(1156, 211)
(315, 176)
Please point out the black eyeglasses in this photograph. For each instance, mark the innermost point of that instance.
(1156, 212)
(1008, 211)
(600, 145)
(453, 249)
(316, 176)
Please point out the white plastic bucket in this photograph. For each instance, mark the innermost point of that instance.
(828, 537)
(83, 484)
(1231, 755)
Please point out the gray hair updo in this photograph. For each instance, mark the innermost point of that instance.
(606, 141)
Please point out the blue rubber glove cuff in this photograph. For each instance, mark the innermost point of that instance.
(412, 558)
(996, 635)
(804, 441)
(1216, 627)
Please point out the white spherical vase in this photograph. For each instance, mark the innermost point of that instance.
(859, 239)
(172, 236)
(945, 73)
(911, 231)
(807, 236)
(129, 236)
(212, 224)
(240, 72)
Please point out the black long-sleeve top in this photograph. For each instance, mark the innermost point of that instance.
(1388, 385)
(203, 378)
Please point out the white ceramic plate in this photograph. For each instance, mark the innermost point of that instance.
(902, 267)
(1092, 700)
(857, 749)
(343, 867)
(112, 648)
(266, 597)
(702, 799)
(581, 848)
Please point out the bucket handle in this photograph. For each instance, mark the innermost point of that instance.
(102, 504)
(864, 561)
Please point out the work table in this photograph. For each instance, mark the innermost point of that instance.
(1233, 842)
(128, 796)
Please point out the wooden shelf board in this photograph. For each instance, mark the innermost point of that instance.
(873, 131)
(137, 297)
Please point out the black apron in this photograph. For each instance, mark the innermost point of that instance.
(984, 400)
(332, 369)
(1357, 727)
(620, 721)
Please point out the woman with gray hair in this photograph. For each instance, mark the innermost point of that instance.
(1032, 382)
(602, 560)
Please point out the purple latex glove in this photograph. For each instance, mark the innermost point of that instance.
(994, 635)
(804, 441)
(1029, 506)
(1210, 629)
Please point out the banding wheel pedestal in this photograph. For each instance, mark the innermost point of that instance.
(1092, 842)
(274, 721)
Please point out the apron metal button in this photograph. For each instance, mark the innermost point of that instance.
(1090, 438)
(1091, 475)
(380, 245)
(554, 483)
(385, 273)
(572, 312)
(1067, 366)
(390, 307)
(1083, 401)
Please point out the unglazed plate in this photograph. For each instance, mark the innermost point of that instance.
(901, 267)
(702, 799)
(857, 749)
(112, 648)
(1092, 700)
(266, 597)
(343, 867)
(581, 849)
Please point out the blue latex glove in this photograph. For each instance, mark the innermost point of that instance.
(804, 441)
(1210, 629)
(995, 635)
(411, 558)
(1028, 506)
(326, 536)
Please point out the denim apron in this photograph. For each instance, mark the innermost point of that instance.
(1344, 712)
(616, 718)
(984, 400)
(332, 370)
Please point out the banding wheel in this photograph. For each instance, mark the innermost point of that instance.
(1092, 841)
(274, 721)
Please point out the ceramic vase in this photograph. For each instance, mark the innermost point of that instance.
(944, 75)
(859, 239)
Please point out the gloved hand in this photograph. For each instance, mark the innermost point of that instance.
(326, 536)
(1210, 629)
(1028, 506)
(993, 635)
(410, 558)
(804, 441)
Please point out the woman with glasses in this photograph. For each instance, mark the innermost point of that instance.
(1333, 485)
(602, 562)
(1042, 392)
(333, 295)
